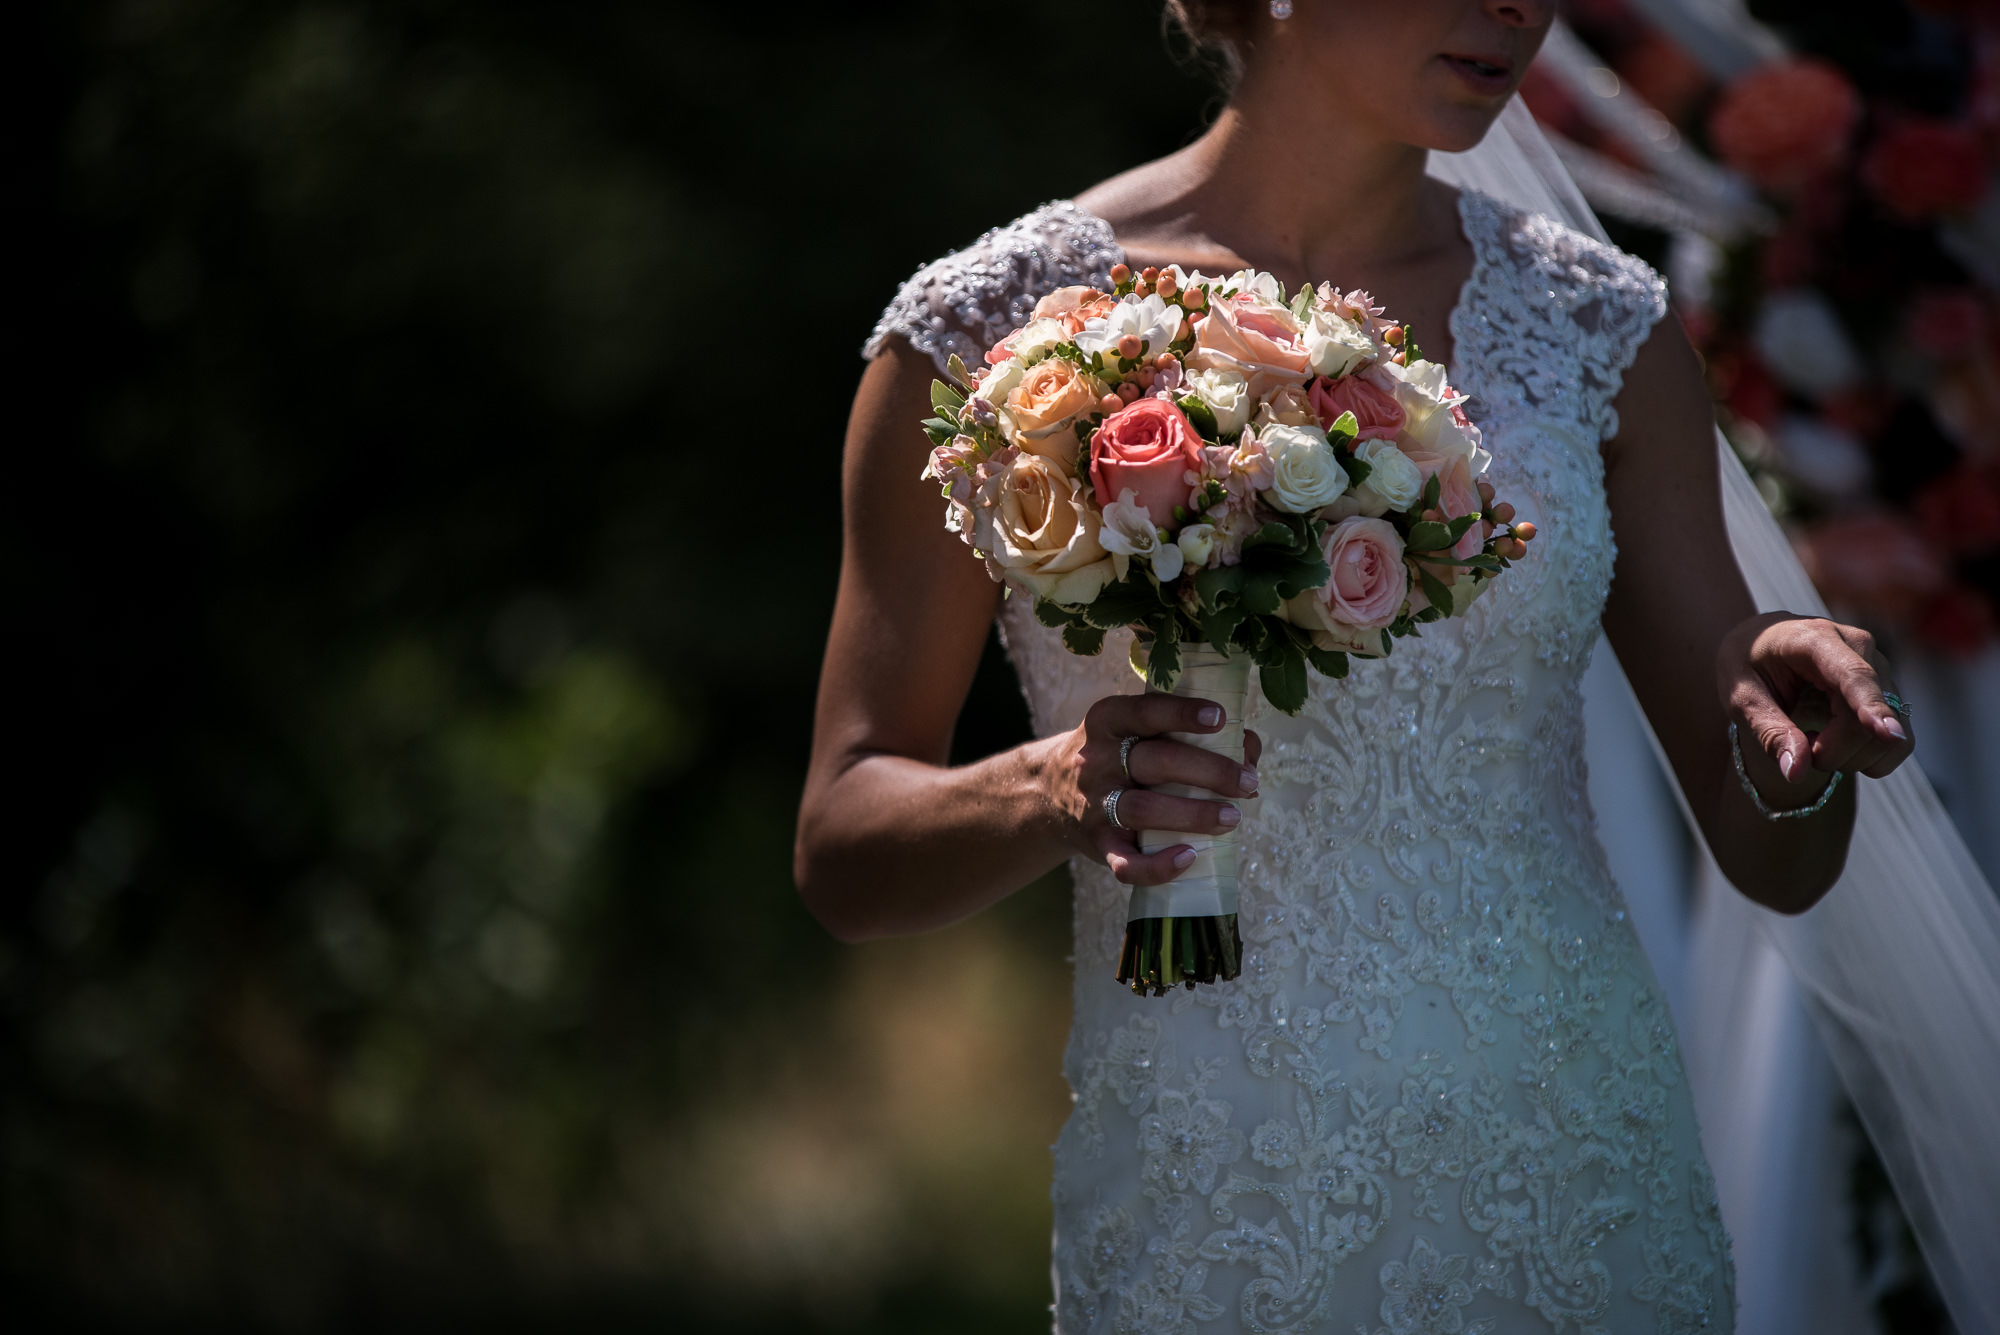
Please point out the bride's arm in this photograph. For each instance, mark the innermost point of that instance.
(1699, 656)
(890, 839)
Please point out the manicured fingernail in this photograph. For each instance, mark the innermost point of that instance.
(1894, 727)
(1787, 763)
(1184, 859)
(1210, 716)
(1228, 815)
(1248, 784)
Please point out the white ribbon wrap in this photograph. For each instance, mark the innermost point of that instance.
(1207, 888)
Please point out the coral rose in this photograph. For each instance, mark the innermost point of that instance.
(1364, 593)
(1035, 524)
(1148, 448)
(1046, 402)
(1921, 169)
(1783, 124)
(1377, 411)
(1258, 339)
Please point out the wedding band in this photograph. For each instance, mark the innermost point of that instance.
(1111, 808)
(1895, 702)
(1125, 756)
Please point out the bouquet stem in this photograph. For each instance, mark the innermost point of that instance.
(1185, 932)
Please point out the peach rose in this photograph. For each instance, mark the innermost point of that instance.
(1365, 592)
(1036, 525)
(1380, 416)
(1044, 404)
(1148, 448)
(1258, 339)
(1075, 306)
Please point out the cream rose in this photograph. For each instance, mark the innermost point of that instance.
(1394, 481)
(1305, 474)
(1336, 345)
(1036, 524)
(1227, 394)
(1286, 406)
(1038, 338)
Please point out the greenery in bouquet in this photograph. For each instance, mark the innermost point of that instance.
(1208, 462)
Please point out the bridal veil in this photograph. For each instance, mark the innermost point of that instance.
(1899, 966)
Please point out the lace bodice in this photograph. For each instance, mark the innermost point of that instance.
(1445, 1094)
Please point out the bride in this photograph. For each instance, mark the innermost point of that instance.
(1445, 1094)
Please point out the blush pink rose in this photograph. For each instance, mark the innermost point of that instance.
(1262, 342)
(1150, 447)
(1379, 415)
(1369, 582)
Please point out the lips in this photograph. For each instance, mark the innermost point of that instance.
(1490, 75)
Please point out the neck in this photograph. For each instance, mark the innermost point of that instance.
(1285, 178)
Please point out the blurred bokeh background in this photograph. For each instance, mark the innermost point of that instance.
(399, 929)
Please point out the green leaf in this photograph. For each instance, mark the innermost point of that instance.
(955, 368)
(1199, 413)
(1387, 647)
(1133, 599)
(1477, 561)
(1357, 469)
(1286, 536)
(939, 430)
(1284, 678)
(1411, 352)
(1053, 615)
(1302, 303)
(1432, 489)
(1326, 662)
(1426, 536)
(1163, 665)
(1459, 525)
(1085, 640)
(1434, 589)
(946, 399)
(1343, 430)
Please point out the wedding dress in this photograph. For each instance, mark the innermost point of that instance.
(1446, 1094)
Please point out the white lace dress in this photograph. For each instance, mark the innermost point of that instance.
(1445, 1096)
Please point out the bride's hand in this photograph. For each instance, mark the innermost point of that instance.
(1090, 769)
(1809, 692)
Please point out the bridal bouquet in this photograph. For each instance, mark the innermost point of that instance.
(1242, 480)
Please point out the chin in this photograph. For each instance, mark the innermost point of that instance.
(1449, 127)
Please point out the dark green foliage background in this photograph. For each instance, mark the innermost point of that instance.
(414, 600)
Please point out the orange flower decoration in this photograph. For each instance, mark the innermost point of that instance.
(1783, 124)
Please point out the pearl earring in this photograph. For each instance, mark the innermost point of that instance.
(1281, 9)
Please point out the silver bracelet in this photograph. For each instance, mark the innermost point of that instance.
(1765, 809)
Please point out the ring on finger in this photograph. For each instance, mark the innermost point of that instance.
(1891, 699)
(1111, 809)
(1125, 746)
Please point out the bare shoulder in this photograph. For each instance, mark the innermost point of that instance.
(1663, 405)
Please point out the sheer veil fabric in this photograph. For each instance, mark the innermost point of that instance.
(1899, 966)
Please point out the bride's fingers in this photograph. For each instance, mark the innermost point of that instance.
(1770, 727)
(1120, 852)
(1842, 661)
(1253, 749)
(1159, 760)
(1143, 809)
(1121, 716)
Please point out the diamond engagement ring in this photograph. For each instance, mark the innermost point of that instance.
(1889, 698)
(1111, 809)
(1125, 756)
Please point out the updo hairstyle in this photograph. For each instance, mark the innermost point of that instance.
(1219, 31)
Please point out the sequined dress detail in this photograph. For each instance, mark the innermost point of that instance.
(1445, 1097)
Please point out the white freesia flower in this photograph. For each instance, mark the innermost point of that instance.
(1427, 419)
(1227, 394)
(1337, 346)
(1155, 322)
(1305, 472)
(1394, 482)
(1037, 339)
(1257, 283)
(1196, 542)
(1129, 531)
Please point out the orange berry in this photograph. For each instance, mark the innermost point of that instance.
(1394, 336)
(1511, 548)
(1503, 513)
(1150, 274)
(1119, 273)
(1196, 299)
(1524, 531)
(1486, 491)
(1110, 404)
(1128, 391)
(1167, 286)
(1130, 346)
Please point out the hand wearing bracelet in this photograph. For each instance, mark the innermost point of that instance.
(1764, 808)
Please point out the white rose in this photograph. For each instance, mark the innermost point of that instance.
(1305, 472)
(1394, 482)
(1227, 394)
(1196, 542)
(1038, 338)
(1155, 322)
(1129, 531)
(1037, 525)
(1336, 345)
(1427, 420)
